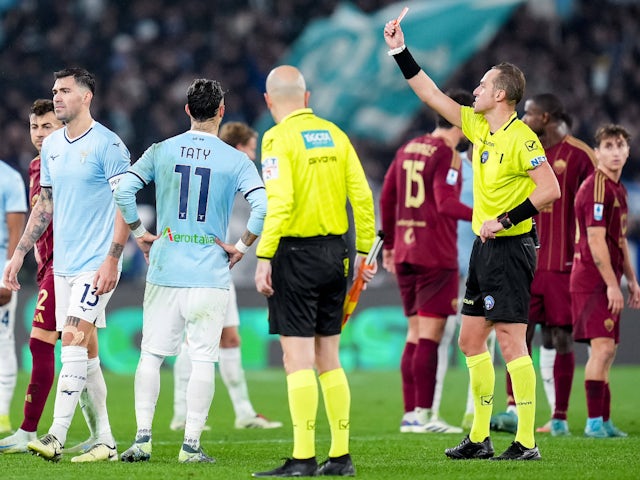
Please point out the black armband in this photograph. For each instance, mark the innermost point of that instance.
(523, 211)
(407, 64)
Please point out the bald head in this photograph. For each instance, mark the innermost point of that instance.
(286, 83)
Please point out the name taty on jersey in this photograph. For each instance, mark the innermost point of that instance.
(195, 152)
(187, 238)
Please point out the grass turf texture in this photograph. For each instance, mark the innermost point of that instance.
(378, 449)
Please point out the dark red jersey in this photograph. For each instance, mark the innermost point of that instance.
(600, 202)
(420, 203)
(572, 161)
(44, 245)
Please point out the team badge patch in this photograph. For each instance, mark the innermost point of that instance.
(484, 157)
(598, 211)
(489, 302)
(269, 168)
(452, 176)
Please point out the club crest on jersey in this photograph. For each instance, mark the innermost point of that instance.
(317, 139)
(452, 176)
(484, 157)
(598, 211)
(489, 302)
(269, 168)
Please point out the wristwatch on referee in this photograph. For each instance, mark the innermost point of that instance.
(505, 221)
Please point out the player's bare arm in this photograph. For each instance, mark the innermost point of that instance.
(423, 86)
(596, 237)
(236, 251)
(106, 277)
(39, 220)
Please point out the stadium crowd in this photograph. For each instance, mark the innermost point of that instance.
(145, 53)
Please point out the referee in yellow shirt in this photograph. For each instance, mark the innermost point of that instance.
(512, 181)
(310, 169)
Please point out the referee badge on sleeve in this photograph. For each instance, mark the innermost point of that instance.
(452, 176)
(269, 168)
(598, 211)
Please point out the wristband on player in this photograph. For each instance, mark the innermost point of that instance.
(241, 247)
(139, 231)
(523, 211)
(407, 64)
(395, 51)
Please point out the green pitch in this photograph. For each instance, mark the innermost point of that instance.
(378, 449)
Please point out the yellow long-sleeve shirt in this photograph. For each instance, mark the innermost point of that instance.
(310, 169)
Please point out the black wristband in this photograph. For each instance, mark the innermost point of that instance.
(407, 64)
(523, 211)
(505, 221)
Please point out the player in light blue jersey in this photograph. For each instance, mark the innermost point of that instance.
(197, 176)
(81, 165)
(13, 211)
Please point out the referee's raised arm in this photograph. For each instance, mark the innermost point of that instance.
(423, 86)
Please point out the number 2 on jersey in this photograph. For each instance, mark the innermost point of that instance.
(185, 182)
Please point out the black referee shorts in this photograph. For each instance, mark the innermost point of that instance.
(499, 282)
(309, 279)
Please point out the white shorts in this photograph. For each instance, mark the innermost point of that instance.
(74, 298)
(8, 319)
(171, 314)
(232, 318)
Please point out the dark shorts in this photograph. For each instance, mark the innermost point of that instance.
(499, 281)
(309, 279)
(550, 299)
(44, 315)
(430, 292)
(592, 318)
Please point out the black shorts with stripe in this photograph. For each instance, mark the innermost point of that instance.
(309, 279)
(499, 282)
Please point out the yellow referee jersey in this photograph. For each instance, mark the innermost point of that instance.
(310, 169)
(501, 161)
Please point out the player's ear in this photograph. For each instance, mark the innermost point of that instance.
(221, 110)
(307, 94)
(186, 109)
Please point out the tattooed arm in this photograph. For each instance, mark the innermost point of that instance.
(106, 277)
(39, 220)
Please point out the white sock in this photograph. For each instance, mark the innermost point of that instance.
(230, 365)
(71, 381)
(199, 396)
(8, 374)
(147, 389)
(443, 362)
(94, 404)
(181, 372)
(547, 361)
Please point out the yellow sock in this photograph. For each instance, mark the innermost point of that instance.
(337, 402)
(303, 406)
(523, 379)
(482, 378)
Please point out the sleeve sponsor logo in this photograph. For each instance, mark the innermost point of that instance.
(114, 181)
(598, 211)
(452, 176)
(269, 168)
(317, 139)
(535, 162)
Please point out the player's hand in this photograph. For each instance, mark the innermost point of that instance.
(489, 229)
(368, 271)
(233, 253)
(616, 300)
(10, 276)
(393, 34)
(263, 277)
(106, 278)
(5, 296)
(634, 295)
(388, 262)
(144, 243)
